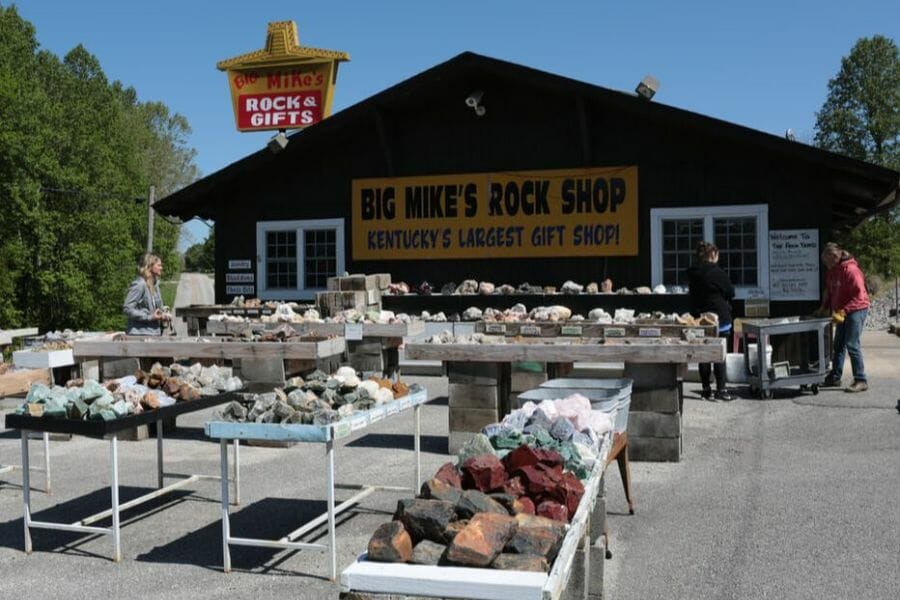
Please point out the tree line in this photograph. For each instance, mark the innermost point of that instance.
(78, 154)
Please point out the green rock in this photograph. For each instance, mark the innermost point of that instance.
(107, 414)
(509, 440)
(92, 390)
(121, 408)
(477, 445)
(77, 409)
(37, 394)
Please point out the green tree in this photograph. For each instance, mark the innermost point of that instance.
(201, 257)
(861, 119)
(75, 152)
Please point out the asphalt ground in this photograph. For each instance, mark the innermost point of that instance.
(794, 497)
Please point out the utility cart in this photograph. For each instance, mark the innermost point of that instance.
(807, 370)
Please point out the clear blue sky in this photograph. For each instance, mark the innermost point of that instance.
(762, 64)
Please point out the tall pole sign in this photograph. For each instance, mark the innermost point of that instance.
(284, 85)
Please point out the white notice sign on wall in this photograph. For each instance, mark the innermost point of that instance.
(794, 264)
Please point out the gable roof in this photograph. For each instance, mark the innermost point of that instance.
(874, 188)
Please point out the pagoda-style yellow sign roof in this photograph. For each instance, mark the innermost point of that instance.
(282, 48)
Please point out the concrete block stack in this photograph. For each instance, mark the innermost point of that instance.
(476, 391)
(654, 423)
(360, 292)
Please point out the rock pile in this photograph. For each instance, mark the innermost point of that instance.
(161, 386)
(318, 400)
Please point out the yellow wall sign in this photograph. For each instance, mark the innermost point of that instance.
(569, 212)
(284, 85)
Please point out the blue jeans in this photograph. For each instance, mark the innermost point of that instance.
(846, 341)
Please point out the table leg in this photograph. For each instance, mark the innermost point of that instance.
(237, 472)
(26, 491)
(329, 453)
(417, 448)
(226, 524)
(114, 489)
(159, 454)
(47, 462)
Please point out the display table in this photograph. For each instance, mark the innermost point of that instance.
(260, 361)
(762, 377)
(574, 573)
(321, 434)
(8, 335)
(196, 316)
(485, 380)
(111, 429)
(370, 346)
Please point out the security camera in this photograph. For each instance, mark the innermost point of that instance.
(647, 88)
(474, 99)
(278, 142)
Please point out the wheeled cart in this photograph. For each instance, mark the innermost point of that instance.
(808, 373)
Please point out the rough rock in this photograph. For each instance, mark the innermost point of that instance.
(427, 552)
(425, 519)
(527, 506)
(521, 562)
(473, 502)
(523, 456)
(479, 543)
(514, 486)
(477, 444)
(537, 535)
(449, 475)
(553, 510)
(435, 489)
(453, 528)
(540, 480)
(486, 288)
(592, 288)
(569, 492)
(484, 472)
(390, 543)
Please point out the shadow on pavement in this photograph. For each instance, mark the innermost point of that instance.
(268, 519)
(433, 444)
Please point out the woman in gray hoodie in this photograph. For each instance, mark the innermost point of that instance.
(143, 303)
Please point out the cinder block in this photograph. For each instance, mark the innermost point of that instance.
(471, 419)
(649, 449)
(522, 381)
(594, 576)
(358, 283)
(367, 362)
(471, 372)
(654, 425)
(135, 434)
(661, 400)
(382, 280)
(466, 395)
(651, 375)
(370, 347)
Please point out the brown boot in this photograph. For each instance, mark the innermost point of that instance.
(857, 386)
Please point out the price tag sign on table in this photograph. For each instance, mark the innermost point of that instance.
(353, 331)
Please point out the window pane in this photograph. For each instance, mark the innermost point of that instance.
(319, 259)
(281, 259)
(680, 239)
(736, 239)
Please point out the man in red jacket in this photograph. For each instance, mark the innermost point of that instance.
(846, 299)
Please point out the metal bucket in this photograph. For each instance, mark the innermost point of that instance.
(618, 389)
(603, 400)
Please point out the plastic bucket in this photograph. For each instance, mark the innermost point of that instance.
(621, 389)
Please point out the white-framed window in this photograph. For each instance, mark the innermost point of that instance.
(294, 259)
(741, 233)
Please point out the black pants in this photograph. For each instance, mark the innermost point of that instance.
(718, 368)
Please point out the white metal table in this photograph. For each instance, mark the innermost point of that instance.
(110, 430)
(324, 434)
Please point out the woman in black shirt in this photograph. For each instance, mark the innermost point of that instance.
(710, 290)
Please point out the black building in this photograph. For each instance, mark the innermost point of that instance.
(285, 221)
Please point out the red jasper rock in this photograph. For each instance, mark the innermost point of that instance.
(553, 510)
(436, 489)
(549, 457)
(523, 456)
(569, 491)
(484, 472)
(526, 506)
(540, 479)
(449, 475)
(514, 486)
